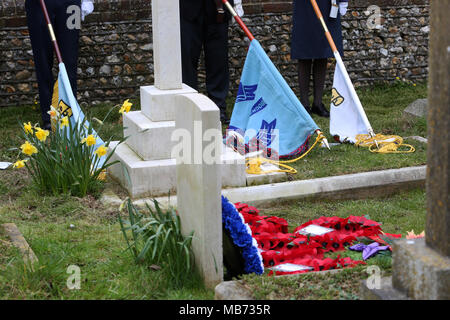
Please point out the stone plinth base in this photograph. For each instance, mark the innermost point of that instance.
(384, 292)
(419, 273)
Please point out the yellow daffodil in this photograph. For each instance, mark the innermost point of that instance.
(28, 128)
(101, 151)
(126, 107)
(42, 134)
(53, 113)
(89, 140)
(64, 122)
(28, 148)
(19, 164)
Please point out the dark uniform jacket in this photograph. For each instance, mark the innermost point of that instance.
(192, 9)
(308, 39)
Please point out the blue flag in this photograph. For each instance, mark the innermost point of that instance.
(267, 113)
(68, 106)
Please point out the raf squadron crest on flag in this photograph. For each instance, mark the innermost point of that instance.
(246, 93)
(336, 98)
(258, 106)
(65, 109)
(267, 132)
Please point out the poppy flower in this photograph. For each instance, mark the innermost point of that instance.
(239, 206)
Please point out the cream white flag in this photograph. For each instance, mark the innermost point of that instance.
(345, 119)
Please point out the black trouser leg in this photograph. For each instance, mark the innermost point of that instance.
(191, 46)
(216, 64)
(43, 47)
(42, 54)
(319, 74)
(68, 41)
(213, 39)
(304, 76)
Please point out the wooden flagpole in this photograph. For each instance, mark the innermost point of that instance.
(238, 20)
(251, 37)
(51, 31)
(341, 65)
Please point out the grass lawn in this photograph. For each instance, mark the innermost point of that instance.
(94, 243)
(66, 231)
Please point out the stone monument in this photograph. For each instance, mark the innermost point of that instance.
(421, 267)
(151, 163)
(199, 183)
(147, 167)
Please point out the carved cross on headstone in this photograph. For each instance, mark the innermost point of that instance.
(166, 44)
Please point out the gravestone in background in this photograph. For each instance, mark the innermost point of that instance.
(421, 267)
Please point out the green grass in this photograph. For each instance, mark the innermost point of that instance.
(96, 244)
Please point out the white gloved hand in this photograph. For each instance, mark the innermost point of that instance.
(86, 8)
(343, 8)
(238, 8)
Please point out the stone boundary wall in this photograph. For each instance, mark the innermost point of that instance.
(115, 56)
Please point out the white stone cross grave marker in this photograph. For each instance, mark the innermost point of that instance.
(166, 44)
(147, 167)
(198, 185)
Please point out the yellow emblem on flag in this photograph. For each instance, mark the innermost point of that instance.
(64, 109)
(336, 98)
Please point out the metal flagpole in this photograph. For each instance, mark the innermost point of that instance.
(341, 65)
(251, 37)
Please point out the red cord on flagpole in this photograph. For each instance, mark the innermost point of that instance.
(238, 20)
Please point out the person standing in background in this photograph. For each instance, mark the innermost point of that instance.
(43, 48)
(310, 47)
(204, 27)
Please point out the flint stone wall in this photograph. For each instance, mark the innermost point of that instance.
(115, 56)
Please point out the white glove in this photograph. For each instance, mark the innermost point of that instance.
(343, 8)
(238, 8)
(86, 8)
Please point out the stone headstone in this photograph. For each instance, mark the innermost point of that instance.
(438, 157)
(418, 108)
(421, 267)
(199, 184)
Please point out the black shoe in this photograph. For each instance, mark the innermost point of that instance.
(320, 110)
